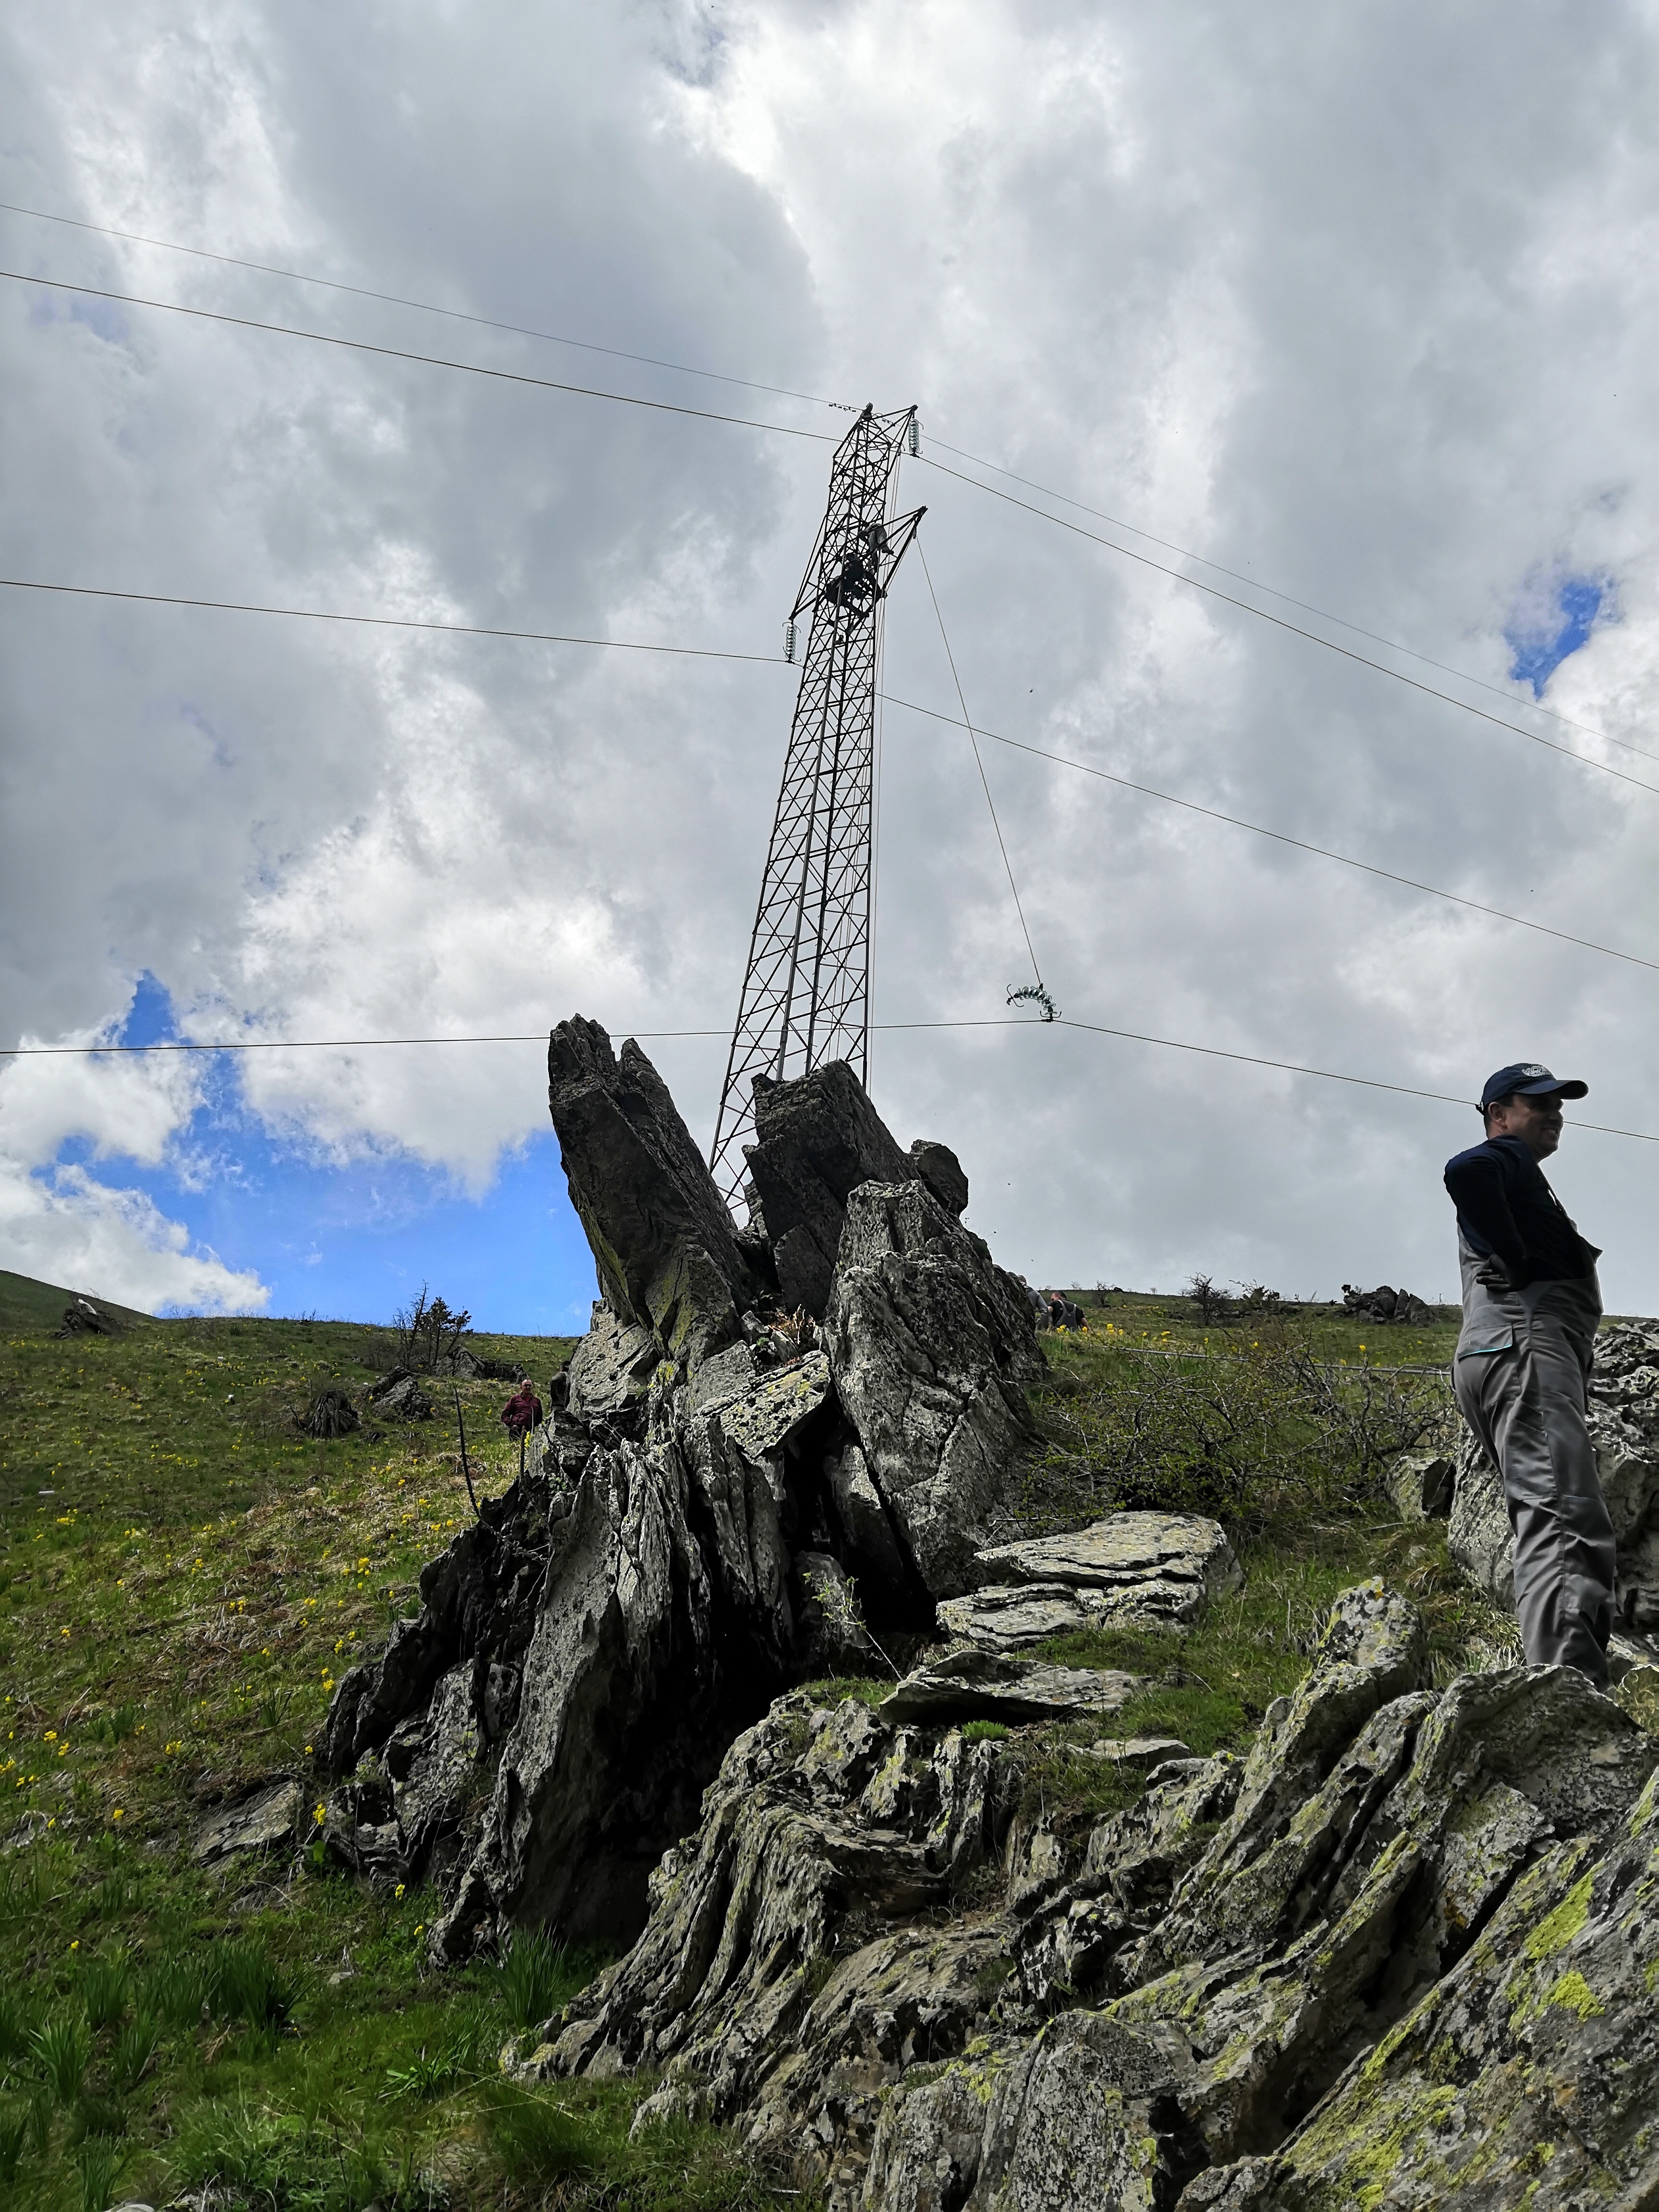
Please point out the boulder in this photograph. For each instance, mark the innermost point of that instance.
(943, 1173)
(1131, 1571)
(817, 1139)
(933, 1349)
(663, 1241)
(262, 1822)
(399, 1396)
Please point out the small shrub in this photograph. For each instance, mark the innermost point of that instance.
(983, 1732)
(61, 2049)
(106, 1985)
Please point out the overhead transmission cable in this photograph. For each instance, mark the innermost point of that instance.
(379, 621)
(967, 724)
(996, 1022)
(767, 660)
(749, 384)
(1346, 652)
(425, 360)
(428, 307)
(1532, 707)
(820, 437)
(1278, 837)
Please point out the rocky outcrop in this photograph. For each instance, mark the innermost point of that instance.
(817, 1139)
(1133, 1571)
(933, 1349)
(1624, 1426)
(713, 1509)
(1401, 1955)
(665, 1245)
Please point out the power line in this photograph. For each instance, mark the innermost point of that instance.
(995, 1022)
(785, 392)
(967, 724)
(1280, 836)
(428, 307)
(1295, 629)
(1534, 707)
(378, 621)
(427, 360)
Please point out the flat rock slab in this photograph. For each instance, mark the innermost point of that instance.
(982, 1686)
(758, 1422)
(1176, 1562)
(1145, 1752)
(255, 1825)
(1013, 1616)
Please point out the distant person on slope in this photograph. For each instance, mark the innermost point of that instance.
(1530, 1305)
(523, 1409)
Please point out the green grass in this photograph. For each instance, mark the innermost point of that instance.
(183, 1579)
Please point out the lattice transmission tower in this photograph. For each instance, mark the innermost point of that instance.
(806, 990)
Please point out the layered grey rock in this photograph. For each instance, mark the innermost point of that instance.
(665, 1245)
(982, 1686)
(1402, 1955)
(932, 1348)
(611, 1370)
(817, 1139)
(1132, 1570)
(943, 1173)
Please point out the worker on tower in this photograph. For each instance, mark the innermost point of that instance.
(1531, 1302)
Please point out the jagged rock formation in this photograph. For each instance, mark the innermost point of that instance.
(1402, 1955)
(668, 1253)
(679, 1547)
(817, 1139)
(1623, 1423)
(933, 1349)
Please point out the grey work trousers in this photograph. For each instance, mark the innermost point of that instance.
(1523, 1361)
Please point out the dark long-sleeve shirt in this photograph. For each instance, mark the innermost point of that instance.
(1508, 1210)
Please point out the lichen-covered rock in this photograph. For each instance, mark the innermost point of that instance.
(1383, 1961)
(611, 1371)
(967, 1686)
(1132, 1570)
(817, 1139)
(932, 1348)
(663, 1241)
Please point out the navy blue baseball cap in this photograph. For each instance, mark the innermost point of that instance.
(1525, 1078)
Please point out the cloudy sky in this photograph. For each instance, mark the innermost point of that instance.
(1350, 304)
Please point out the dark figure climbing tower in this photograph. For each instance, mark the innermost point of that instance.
(806, 990)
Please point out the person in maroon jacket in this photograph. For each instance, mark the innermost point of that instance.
(521, 1413)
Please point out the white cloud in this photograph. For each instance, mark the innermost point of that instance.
(1276, 284)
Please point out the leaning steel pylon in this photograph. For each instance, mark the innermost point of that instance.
(806, 994)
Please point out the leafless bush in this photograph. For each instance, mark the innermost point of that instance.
(1214, 1304)
(1254, 1436)
(427, 1332)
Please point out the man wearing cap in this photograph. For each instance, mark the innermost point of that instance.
(1530, 1305)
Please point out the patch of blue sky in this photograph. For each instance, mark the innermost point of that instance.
(1555, 614)
(353, 1240)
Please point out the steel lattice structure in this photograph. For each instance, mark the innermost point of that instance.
(806, 990)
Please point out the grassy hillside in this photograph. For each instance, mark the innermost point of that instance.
(26, 1303)
(182, 1579)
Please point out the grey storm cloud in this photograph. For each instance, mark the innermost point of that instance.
(1355, 304)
